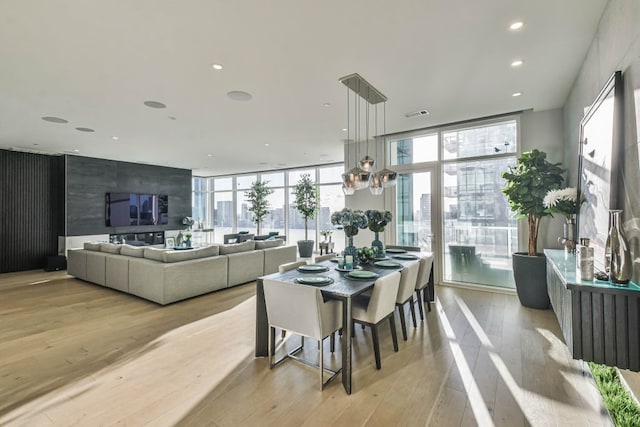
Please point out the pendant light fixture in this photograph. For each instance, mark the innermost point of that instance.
(387, 177)
(363, 176)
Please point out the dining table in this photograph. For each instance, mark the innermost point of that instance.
(342, 287)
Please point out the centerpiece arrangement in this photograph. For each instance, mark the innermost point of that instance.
(377, 220)
(565, 202)
(367, 254)
(352, 221)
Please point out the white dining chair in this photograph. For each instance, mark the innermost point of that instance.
(409, 274)
(378, 308)
(320, 258)
(301, 310)
(422, 282)
(290, 266)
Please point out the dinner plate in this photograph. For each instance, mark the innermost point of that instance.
(395, 251)
(314, 280)
(362, 274)
(406, 256)
(351, 269)
(312, 268)
(387, 264)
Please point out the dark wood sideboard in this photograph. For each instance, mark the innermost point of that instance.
(600, 322)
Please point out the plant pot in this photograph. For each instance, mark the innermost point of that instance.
(530, 274)
(305, 248)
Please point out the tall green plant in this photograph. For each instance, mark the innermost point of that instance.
(527, 184)
(307, 201)
(258, 203)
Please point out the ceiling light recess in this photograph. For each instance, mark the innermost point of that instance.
(154, 104)
(217, 67)
(516, 94)
(238, 95)
(517, 63)
(516, 25)
(54, 119)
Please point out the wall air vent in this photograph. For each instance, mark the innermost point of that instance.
(417, 113)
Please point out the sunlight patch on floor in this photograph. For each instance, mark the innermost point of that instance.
(196, 357)
(478, 406)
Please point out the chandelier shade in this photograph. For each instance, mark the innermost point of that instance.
(363, 174)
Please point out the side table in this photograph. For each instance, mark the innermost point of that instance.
(327, 247)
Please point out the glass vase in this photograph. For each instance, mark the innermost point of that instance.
(353, 251)
(617, 255)
(378, 244)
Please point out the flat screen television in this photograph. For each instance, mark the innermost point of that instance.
(126, 209)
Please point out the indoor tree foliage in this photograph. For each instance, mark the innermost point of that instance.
(307, 201)
(258, 203)
(527, 185)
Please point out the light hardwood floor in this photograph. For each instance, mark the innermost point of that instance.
(72, 353)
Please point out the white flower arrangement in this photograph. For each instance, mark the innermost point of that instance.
(563, 201)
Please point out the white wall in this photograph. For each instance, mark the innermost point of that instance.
(616, 46)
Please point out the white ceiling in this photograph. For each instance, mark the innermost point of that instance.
(95, 62)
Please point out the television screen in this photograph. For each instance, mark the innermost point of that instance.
(126, 209)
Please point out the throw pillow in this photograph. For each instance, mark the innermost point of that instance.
(264, 244)
(110, 248)
(134, 251)
(91, 246)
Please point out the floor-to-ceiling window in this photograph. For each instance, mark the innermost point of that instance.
(222, 201)
(449, 199)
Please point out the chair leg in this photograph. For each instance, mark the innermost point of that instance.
(272, 333)
(403, 323)
(394, 334)
(332, 342)
(353, 330)
(283, 333)
(362, 326)
(376, 345)
(413, 312)
(419, 295)
(427, 292)
(321, 366)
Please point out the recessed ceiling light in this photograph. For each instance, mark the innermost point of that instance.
(217, 67)
(517, 63)
(172, 117)
(238, 95)
(76, 150)
(263, 163)
(266, 145)
(154, 104)
(326, 104)
(209, 155)
(344, 129)
(516, 94)
(85, 129)
(54, 119)
(115, 138)
(281, 164)
(516, 25)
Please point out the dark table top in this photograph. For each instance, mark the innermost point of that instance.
(342, 286)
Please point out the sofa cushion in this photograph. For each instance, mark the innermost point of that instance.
(110, 248)
(213, 250)
(264, 244)
(235, 248)
(134, 251)
(177, 256)
(91, 246)
(154, 254)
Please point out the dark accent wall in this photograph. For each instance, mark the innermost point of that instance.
(31, 209)
(88, 180)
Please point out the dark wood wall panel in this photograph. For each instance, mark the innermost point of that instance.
(88, 180)
(31, 209)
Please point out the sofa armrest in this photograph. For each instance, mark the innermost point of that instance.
(77, 263)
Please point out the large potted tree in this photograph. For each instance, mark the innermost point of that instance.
(307, 204)
(527, 184)
(258, 202)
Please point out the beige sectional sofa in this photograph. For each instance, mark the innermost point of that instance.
(166, 276)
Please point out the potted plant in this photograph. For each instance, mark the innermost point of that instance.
(565, 202)
(307, 204)
(352, 222)
(378, 220)
(258, 203)
(527, 184)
